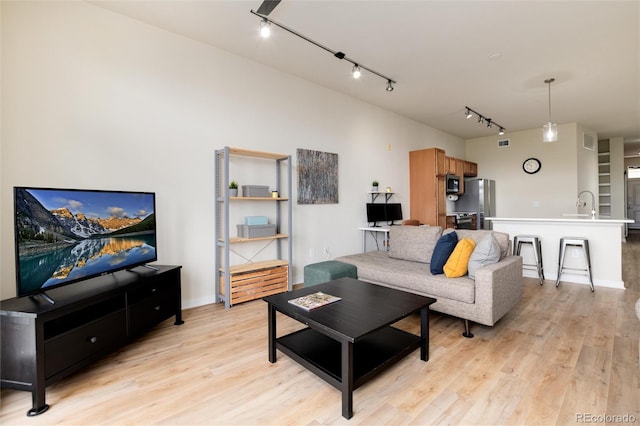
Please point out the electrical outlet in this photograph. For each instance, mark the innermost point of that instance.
(326, 250)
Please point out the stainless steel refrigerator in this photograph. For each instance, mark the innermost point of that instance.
(479, 197)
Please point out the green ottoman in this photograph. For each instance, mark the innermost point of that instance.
(322, 272)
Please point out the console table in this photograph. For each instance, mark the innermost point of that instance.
(374, 230)
(42, 342)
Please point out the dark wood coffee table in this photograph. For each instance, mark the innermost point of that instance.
(348, 342)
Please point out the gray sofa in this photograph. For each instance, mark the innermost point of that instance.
(496, 289)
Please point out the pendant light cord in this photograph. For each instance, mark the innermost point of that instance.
(549, 81)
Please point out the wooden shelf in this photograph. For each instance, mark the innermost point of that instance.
(257, 154)
(258, 199)
(256, 266)
(246, 240)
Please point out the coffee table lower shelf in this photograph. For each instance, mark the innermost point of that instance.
(371, 355)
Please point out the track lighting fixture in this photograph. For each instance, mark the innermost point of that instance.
(482, 119)
(356, 71)
(550, 130)
(389, 86)
(265, 30)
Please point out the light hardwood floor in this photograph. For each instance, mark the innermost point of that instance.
(559, 355)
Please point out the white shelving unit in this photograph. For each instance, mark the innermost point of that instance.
(252, 280)
(604, 179)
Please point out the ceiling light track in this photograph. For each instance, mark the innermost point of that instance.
(468, 113)
(357, 66)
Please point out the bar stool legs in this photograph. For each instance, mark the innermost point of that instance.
(578, 242)
(534, 240)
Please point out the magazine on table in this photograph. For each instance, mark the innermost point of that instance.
(314, 300)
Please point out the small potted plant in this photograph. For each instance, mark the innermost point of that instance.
(233, 188)
(374, 185)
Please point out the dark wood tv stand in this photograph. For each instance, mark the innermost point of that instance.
(42, 342)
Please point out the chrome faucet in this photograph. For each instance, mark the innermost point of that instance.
(579, 203)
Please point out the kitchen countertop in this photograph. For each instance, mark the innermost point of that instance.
(567, 219)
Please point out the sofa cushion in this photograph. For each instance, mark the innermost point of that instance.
(414, 277)
(414, 243)
(444, 247)
(458, 262)
(487, 251)
(501, 238)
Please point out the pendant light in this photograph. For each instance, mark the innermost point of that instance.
(550, 130)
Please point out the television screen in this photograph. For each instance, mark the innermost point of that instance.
(375, 213)
(387, 212)
(67, 235)
(393, 211)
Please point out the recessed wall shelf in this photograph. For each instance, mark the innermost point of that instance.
(604, 178)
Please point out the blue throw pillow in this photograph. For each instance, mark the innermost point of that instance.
(442, 251)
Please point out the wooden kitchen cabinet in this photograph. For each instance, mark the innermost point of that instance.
(450, 165)
(451, 222)
(470, 169)
(459, 167)
(427, 186)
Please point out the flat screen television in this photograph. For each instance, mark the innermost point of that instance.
(383, 212)
(63, 236)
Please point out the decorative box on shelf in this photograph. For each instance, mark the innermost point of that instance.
(256, 231)
(254, 281)
(255, 191)
(256, 220)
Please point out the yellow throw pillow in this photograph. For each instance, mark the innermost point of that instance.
(458, 262)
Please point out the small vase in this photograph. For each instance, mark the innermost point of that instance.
(374, 189)
(233, 192)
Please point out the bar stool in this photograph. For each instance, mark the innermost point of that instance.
(578, 242)
(534, 240)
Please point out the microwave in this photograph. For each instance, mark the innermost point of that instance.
(452, 184)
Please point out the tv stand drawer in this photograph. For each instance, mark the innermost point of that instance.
(81, 343)
(159, 306)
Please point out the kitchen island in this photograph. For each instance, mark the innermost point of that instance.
(606, 237)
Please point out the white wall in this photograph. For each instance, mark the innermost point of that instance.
(91, 99)
(550, 192)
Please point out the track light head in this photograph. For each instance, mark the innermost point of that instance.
(488, 122)
(501, 131)
(389, 86)
(468, 114)
(265, 28)
(356, 71)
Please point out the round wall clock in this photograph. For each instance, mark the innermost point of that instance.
(531, 165)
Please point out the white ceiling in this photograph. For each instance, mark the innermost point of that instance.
(492, 56)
